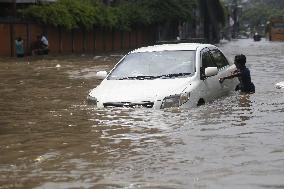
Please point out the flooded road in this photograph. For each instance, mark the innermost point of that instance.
(50, 138)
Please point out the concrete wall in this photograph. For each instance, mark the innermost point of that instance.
(97, 40)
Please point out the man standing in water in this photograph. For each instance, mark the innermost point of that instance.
(243, 74)
(19, 45)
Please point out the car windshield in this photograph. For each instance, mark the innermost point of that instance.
(152, 65)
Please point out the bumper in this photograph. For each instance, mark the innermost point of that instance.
(144, 104)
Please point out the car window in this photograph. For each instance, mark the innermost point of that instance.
(155, 64)
(218, 58)
(206, 60)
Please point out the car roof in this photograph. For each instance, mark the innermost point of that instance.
(172, 47)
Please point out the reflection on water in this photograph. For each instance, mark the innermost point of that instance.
(50, 138)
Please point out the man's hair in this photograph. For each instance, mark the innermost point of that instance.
(240, 59)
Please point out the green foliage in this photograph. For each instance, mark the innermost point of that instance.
(169, 10)
(124, 15)
(133, 13)
(106, 17)
(260, 14)
(214, 10)
(72, 14)
(149, 12)
(54, 15)
(278, 4)
(82, 12)
(226, 11)
(65, 13)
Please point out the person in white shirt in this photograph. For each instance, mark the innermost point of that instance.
(44, 41)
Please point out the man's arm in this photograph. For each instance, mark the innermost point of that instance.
(234, 74)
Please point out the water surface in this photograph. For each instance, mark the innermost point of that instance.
(50, 138)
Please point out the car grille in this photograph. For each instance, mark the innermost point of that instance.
(145, 104)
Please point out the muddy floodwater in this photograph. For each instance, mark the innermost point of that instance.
(51, 139)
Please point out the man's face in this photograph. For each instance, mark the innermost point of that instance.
(237, 65)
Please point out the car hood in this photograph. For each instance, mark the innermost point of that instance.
(138, 90)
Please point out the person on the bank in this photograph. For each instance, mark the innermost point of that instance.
(19, 45)
(243, 74)
(40, 46)
(44, 42)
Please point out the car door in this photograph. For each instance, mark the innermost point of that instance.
(223, 70)
(212, 86)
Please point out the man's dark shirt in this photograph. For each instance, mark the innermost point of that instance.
(245, 81)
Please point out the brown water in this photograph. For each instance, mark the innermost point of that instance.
(50, 138)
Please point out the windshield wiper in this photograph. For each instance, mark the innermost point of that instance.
(149, 77)
(139, 77)
(174, 75)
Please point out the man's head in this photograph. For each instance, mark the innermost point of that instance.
(240, 60)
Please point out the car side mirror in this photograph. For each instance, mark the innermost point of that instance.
(101, 74)
(211, 71)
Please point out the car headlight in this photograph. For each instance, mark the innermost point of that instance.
(91, 100)
(175, 100)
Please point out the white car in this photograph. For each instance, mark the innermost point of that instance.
(163, 76)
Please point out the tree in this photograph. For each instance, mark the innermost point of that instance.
(213, 15)
(168, 14)
(262, 12)
(123, 14)
(71, 14)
